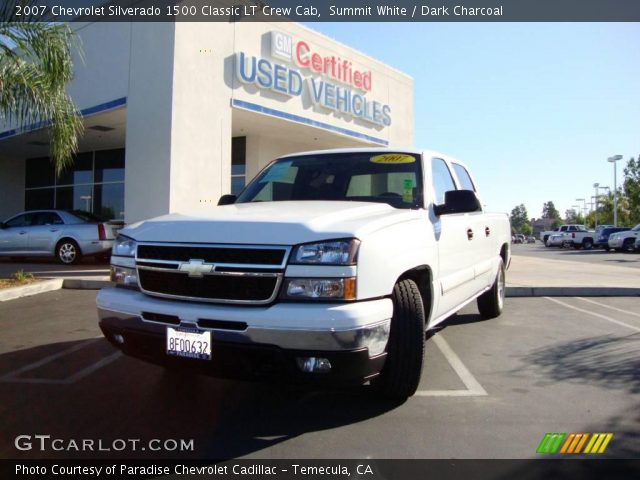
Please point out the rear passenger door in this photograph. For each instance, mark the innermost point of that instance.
(485, 246)
(456, 244)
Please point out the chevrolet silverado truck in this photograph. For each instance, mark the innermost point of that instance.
(330, 267)
(544, 236)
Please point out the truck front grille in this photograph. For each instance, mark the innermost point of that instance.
(216, 273)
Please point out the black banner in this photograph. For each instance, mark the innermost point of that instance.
(330, 10)
(590, 469)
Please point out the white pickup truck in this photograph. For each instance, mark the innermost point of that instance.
(329, 267)
(562, 229)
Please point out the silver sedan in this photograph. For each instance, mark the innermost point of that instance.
(67, 235)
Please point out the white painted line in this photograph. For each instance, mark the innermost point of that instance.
(635, 314)
(594, 314)
(474, 388)
(93, 367)
(13, 377)
(50, 358)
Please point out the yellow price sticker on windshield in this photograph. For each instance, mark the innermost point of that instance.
(393, 158)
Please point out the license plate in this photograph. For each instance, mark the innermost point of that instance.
(188, 343)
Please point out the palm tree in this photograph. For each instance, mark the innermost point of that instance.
(35, 67)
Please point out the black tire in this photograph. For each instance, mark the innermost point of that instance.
(544, 239)
(491, 302)
(68, 252)
(402, 370)
(587, 244)
(628, 245)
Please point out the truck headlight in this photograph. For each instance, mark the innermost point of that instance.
(334, 252)
(124, 247)
(319, 289)
(124, 276)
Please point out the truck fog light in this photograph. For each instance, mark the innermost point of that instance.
(124, 276)
(376, 338)
(314, 364)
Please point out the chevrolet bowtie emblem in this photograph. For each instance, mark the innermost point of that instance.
(196, 268)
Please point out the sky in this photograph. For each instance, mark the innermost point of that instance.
(534, 109)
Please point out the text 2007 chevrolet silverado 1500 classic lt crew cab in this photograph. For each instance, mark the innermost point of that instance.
(329, 267)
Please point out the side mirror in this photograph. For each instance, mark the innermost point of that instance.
(458, 201)
(227, 199)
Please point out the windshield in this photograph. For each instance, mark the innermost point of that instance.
(392, 178)
(636, 228)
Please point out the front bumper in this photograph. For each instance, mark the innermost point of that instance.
(254, 342)
(615, 242)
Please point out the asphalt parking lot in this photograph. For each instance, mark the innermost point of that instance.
(491, 389)
(594, 255)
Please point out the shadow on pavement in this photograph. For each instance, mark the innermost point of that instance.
(129, 399)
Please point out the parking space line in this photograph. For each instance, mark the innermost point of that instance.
(473, 386)
(594, 314)
(13, 376)
(627, 312)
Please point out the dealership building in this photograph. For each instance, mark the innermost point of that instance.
(177, 114)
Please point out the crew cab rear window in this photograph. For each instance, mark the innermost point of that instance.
(463, 177)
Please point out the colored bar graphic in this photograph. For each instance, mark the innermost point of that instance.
(550, 442)
(598, 443)
(574, 442)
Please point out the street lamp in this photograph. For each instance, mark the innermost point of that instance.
(613, 160)
(595, 214)
(584, 209)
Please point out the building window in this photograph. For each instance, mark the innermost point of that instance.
(238, 164)
(94, 183)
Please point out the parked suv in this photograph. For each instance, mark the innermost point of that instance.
(602, 240)
(625, 241)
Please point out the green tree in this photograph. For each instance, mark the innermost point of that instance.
(519, 218)
(35, 67)
(573, 216)
(550, 212)
(632, 189)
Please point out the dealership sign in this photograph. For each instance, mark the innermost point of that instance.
(331, 82)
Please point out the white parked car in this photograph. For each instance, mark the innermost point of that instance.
(625, 241)
(328, 268)
(558, 240)
(67, 235)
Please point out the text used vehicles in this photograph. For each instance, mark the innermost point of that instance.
(624, 241)
(67, 235)
(329, 267)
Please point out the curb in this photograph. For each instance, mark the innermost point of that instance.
(85, 284)
(28, 290)
(572, 292)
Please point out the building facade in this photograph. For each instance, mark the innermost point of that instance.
(177, 114)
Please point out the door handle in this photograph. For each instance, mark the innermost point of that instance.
(470, 234)
(22, 232)
(487, 231)
(53, 229)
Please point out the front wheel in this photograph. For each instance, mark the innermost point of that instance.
(628, 245)
(68, 252)
(491, 302)
(402, 370)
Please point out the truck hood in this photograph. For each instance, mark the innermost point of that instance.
(273, 223)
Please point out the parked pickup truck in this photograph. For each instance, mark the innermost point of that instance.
(329, 267)
(544, 236)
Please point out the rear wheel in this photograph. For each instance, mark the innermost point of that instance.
(68, 252)
(491, 302)
(587, 244)
(402, 370)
